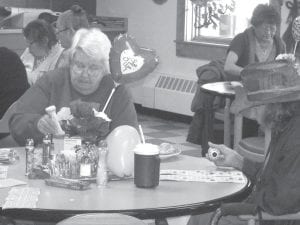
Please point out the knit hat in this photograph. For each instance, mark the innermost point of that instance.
(271, 81)
(268, 82)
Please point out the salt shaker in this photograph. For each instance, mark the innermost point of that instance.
(46, 149)
(102, 176)
(29, 149)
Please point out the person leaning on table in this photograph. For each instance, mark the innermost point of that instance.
(86, 78)
(277, 179)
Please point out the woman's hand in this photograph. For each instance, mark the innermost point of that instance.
(46, 125)
(228, 157)
(288, 57)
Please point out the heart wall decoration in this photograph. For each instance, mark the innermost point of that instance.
(129, 62)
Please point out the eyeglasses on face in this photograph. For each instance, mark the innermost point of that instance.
(92, 70)
(29, 42)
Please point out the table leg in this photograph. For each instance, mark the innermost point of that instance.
(227, 123)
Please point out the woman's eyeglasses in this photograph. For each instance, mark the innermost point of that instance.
(29, 43)
(92, 70)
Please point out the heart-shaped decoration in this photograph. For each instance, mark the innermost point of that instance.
(128, 61)
(296, 29)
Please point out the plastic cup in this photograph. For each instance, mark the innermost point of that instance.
(146, 165)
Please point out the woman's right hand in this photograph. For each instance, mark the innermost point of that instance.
(228, 156)
(46, 125)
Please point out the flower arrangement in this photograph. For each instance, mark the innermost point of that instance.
(80, 164)
(83, 119)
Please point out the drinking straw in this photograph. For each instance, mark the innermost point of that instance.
(142, 134)
(107, 101)
(295, 47)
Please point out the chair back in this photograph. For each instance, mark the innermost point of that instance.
(4, 128)
(101, 219)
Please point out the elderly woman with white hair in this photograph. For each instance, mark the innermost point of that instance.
(87, 79)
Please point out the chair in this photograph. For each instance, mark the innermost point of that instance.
(253, 148)
(265, 216)
(251, 219)
(101, 219)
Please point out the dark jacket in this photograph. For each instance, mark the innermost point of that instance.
(277, 186)
(13, 79)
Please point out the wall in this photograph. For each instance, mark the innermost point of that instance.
(153, 26)
(55, 5)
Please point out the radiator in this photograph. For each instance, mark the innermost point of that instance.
(166, 92)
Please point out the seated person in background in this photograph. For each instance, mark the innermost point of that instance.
(67, 24)
(259, 43)
(13, 80)
(277, 179)
(86, 78)
(43, 49)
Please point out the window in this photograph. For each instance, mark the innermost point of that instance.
(206, 27)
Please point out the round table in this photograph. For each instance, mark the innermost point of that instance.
(169, 199)
(224, 89)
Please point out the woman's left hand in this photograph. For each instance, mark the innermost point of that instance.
(228, 157)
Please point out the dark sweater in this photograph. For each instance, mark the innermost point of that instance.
(55, 88)
(13, 78)
(277, 185)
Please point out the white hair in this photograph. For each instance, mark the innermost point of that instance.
(94, 43)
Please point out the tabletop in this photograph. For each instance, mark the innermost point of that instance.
(224, 88)
(170, 198)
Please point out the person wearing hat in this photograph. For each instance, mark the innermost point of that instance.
(67, 24)
(274, 88)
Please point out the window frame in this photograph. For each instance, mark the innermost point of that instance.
(208, 49)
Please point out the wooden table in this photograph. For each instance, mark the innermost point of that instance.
(224, 89)
(169, 199)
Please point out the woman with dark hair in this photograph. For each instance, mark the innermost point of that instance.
(259, 43)
(43, 49)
